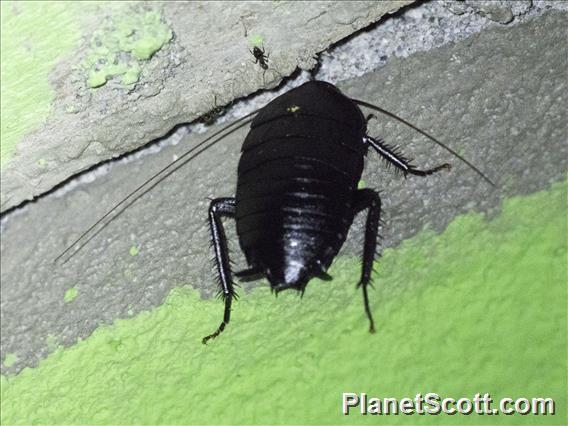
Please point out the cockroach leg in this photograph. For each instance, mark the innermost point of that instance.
(369, 117)
(250, 274)
(368, 198)
(222, 207)
(399, 161)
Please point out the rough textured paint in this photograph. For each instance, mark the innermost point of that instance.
(35, 36)
(52, 342)
(10, 359)
(479, 308)
(122, 43)
(70, 295)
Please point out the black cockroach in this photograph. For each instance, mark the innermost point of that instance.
(296, 192)
(260, 57)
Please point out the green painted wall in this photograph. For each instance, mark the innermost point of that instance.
(35, 36)
(122, 43)
(479, 308)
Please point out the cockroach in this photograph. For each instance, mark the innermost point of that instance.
(296, 195)
(260, 57)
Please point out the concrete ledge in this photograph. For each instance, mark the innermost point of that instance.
(140, 69)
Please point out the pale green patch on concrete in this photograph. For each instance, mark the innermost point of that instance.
(70, 294)
(10, 360)
(479, 308)
(52, 342)
(256, 40)
(134, 251)
(35, 36)
(125, 40)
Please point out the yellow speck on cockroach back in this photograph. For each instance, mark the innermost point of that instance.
(256, 40)
(133, 251)
(293, 108)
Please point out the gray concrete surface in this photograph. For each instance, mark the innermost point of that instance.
(418, 27)
(206, 63)
(497, 97)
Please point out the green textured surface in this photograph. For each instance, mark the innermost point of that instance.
(479, 308)
(35, 36)
(10, 359)
(123, 42)
(52, 342)
(256, 40)
(70, 295)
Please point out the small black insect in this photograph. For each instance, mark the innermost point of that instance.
(211, 116)
(296, 194)
(260, 57)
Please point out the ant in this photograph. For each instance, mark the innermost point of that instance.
(211, 116)
(260, 57)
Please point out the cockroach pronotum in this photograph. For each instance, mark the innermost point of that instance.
(260, 57)
(297, 192)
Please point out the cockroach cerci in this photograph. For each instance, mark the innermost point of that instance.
(260, 57)
(296, 194)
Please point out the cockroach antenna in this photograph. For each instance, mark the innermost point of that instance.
(146, 186)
